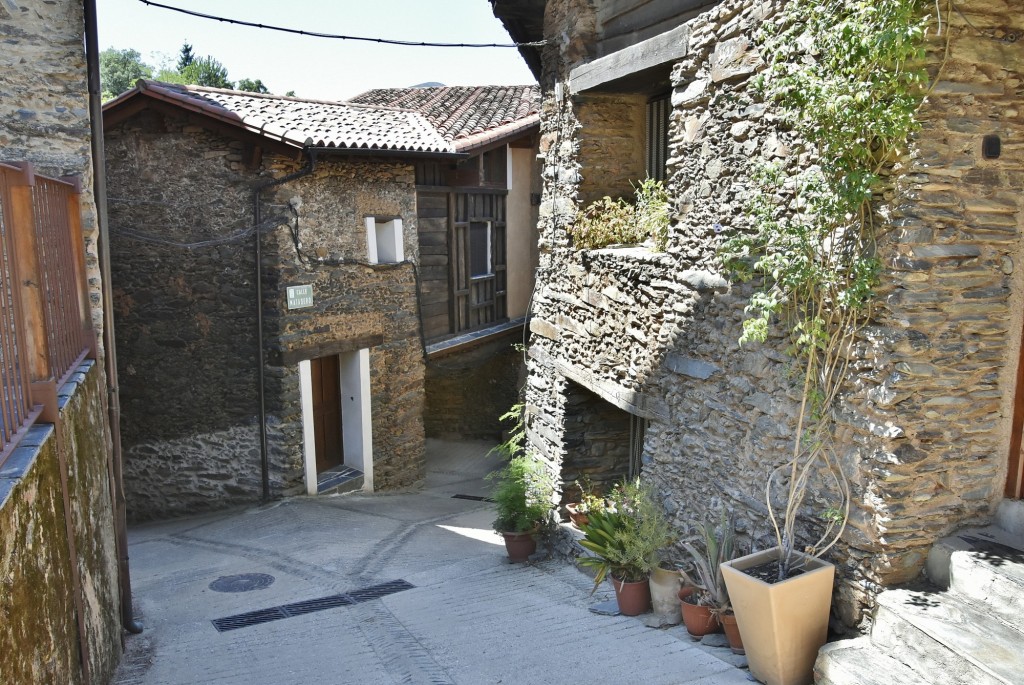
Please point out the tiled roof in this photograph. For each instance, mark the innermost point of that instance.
(299, 122)
(469, 116)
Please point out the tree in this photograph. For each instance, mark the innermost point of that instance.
(120, 69)
(185, 57)
(206, 71)
(252, 86)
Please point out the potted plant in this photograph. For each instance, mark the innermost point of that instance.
(522, 494)
(626, 538)
(588, 501)
(703, 606)
(781, 598)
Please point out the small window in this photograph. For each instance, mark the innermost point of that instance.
(658, 109)
(384, 240)
(493, 166)
(480, 249)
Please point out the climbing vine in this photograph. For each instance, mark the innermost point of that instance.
(847, 78)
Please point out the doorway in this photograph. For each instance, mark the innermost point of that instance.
(327, 428)
(336, 421)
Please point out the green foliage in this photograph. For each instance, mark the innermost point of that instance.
(207, 71)
(523, 492)
(627, 536)
(185, 57)
(842, 75)
(514, 445)
(252, 86)
(120, 69)
(617, 222)
(718, 545)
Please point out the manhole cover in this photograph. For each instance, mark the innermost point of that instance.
(243, 582)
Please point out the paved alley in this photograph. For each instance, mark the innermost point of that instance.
(427, 597)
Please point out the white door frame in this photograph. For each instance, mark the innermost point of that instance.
(356, 419)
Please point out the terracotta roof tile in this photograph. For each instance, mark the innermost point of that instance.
(464, 115)
(301, 122)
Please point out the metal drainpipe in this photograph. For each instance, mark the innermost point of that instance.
(109, 353)
(260, 385)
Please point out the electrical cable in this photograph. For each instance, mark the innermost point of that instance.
(317, 34)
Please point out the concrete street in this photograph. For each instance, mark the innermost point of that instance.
(471, 618)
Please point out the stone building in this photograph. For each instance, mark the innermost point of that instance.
(60, 599)
(634, 363)
(344, 207)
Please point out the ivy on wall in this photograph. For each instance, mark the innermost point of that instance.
(847, 78)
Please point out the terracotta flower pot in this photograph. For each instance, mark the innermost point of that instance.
(578, 519)
(784, 624)
(732, 632)
(519, 546)
(633, 598)
(699, 620)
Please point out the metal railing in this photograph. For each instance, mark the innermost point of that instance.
(45, 319)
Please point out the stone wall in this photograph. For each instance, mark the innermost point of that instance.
(183, 279)
(923, 426)
(185, 303)
(468, 391)
(39, 636)
(354, 302)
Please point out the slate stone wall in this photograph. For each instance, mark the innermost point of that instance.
(923, 426)
(353, 301)
(467, 391)
(185, 299)
(39, 636)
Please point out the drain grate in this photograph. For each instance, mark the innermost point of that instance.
(310, 606)
(475, 498)
(243, 582)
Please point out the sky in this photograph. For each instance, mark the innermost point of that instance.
(321, 68)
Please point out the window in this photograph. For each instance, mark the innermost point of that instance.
(658, 109)
(480, 249)
(493, 167)
(478, 261)
(384, 240)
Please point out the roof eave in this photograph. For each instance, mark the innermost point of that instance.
(499, 135)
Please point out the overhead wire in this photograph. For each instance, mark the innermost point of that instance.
(318, 34)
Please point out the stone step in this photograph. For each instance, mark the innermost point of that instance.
(859, 662)
(991, 576)
(936, 633)
(1010, 517)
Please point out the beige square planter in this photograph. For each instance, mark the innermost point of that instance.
(783, 625)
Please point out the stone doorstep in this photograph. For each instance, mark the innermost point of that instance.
(937, 566)
(993, 579)
(937, 633)
(338, 480)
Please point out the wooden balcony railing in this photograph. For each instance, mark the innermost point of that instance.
(45, 319)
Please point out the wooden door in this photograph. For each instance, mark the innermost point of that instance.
(1015, 471)
(326, 378)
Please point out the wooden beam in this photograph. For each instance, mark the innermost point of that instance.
(330, 347)
(613, 71)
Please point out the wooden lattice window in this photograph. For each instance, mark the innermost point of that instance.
(478, 260)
